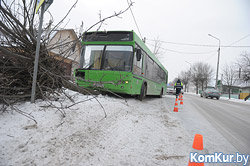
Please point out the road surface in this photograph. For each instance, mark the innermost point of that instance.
(225, 124)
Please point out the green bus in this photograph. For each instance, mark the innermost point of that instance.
(120, 62)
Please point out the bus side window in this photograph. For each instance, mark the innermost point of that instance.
(144, 66)
(150, 68)
(137, 66)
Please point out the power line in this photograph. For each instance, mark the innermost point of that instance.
(134, 18)
(239, 40)
(186, 44)
(198, 45)
(183, 52)
(204, 45)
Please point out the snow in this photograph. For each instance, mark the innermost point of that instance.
(226, 98)
(134, 133)
(236, 100)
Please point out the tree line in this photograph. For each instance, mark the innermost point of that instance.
(201, 74)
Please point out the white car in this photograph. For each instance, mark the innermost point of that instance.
(170, 90)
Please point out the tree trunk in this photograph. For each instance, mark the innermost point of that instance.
(197, 87)
(185, 88)
(202, 86)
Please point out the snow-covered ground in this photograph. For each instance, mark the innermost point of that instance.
(134, 133)
(226, 98)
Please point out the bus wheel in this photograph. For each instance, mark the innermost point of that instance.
(143, 92)
(160, 96)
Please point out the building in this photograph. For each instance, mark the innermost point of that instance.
(233, 89)
(66, 47)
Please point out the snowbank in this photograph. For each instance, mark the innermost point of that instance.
(225, 98)
(134, 133)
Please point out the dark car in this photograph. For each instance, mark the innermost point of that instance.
(213, 93)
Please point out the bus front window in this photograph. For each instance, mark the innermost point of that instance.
(118, 58)
(92, 56)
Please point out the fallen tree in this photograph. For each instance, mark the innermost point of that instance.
(18, 30)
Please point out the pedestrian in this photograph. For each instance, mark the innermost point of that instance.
(178, 86)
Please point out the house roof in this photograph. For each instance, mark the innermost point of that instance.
(240, 83)
(70, 31)
(246, 87)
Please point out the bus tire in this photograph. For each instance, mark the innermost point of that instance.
(143, 91)
(161, 94)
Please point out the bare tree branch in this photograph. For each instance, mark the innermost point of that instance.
(104, 19)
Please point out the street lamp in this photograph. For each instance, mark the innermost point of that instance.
(218, 61)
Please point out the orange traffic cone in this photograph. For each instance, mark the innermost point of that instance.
(181, 103)
(179, 96)
(198, 145)
(176, 102)
(195, 164)
(176, 106)
(198, 142)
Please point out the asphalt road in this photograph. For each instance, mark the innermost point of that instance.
(230, 119)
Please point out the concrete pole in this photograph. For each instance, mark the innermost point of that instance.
(217, 73)
(218, 61)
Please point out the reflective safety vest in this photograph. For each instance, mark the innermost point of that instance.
(178, 85)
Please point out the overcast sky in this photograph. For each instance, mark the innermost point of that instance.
(178, 21)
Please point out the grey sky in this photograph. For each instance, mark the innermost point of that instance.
(181, 21)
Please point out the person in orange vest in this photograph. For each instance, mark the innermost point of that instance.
(178, 86)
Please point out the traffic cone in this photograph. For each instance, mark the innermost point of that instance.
(176, 102)
(181, 103)
(176, 106)
(179, 96)
(198, 142)
(198, 145)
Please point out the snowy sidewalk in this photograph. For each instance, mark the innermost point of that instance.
(140, 133)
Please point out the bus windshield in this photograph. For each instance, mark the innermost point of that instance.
(117, 58)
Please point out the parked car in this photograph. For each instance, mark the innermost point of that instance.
(212, 93)
(170, 90)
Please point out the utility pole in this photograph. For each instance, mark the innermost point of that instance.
(218, 61)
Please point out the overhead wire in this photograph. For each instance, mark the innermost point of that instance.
(134, 18)
(183, 52)
(186, 44)
(204, 45)
(237, 41)
(199, 45)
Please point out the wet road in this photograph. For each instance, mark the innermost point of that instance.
(231, 119)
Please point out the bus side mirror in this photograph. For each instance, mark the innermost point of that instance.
(138, 54)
